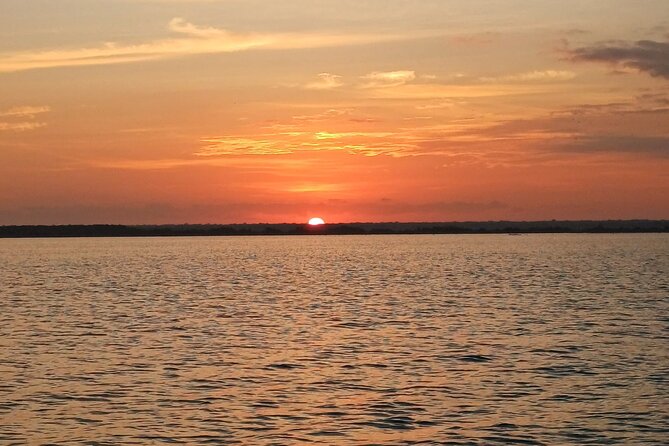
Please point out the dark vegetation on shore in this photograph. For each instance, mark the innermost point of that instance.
(489, 227)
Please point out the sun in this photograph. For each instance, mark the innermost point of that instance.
(316, 221)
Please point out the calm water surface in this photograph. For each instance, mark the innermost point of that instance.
(356, 340)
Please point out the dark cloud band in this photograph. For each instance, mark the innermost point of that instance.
(649, 56)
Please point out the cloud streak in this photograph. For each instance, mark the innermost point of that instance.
(657, 146)
(20, 126)
(384, 79)
(191, 40)
(326, 81)
(534, 76)
(647, 56)
(362, 143)
(22, 119)
(25, 111)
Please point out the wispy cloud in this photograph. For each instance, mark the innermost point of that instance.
(582, 130)
(330, 114)
(246, 145)
(20, 126)
(647, 56)
(326, 81)
(21, 119)
(383, 79)
(248, 163)
(191, 40)
(487, 141)
(282, 143)
(25, 111)
(441, 92)
(534, 76)
(339, 135)
(656, 146)
(437, 105)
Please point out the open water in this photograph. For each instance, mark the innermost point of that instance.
(351, 340)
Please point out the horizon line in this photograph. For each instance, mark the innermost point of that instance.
(396, 222)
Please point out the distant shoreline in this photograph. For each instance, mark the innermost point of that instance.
(258, 229)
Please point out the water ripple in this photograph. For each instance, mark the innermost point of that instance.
(389, 340)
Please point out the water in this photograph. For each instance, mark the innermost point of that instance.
(356, 340)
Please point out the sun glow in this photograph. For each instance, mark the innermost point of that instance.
(316, 221)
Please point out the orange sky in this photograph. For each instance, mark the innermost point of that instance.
(222, 111)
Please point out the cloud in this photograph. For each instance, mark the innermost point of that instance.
(25, 111)
(330, 114)
(181, 26)
(534, 76)
(261, 145)
(384, 79)
(248, 163)
(20, 126)
(282, 143)
(647, 56)
(21, 119)
(632, 129)
(636, 127)
(437, 105)
(329, 135)
(190, 40)
(458, 92)
(326, 81)
(657, 146)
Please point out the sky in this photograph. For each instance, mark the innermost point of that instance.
(250, 111)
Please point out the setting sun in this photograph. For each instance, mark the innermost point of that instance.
(316, 221)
